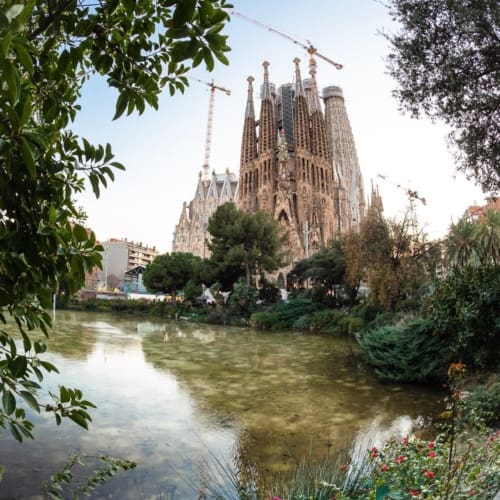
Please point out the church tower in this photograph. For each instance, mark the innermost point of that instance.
(350, 195)
(285, 168)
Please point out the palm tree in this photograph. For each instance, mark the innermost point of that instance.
(462, 243)
(489, 237)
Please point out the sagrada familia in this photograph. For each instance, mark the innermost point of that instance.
(298, 162)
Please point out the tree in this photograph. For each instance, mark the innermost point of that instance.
(464, 309)
(47, 52)
(397, 264)
(169, 273)
(250, 243)
(326, 269)
(445, 62)
(462, 243)
(354, 265)
(474, 242)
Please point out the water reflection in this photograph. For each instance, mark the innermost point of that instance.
(178, 397)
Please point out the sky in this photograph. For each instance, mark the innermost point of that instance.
(164, 150)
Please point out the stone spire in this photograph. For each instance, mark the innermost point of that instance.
(343, 154)
(249, 140)
(267, 129)
(319, 141)
(301, 113)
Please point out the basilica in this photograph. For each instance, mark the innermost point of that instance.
(298, 162)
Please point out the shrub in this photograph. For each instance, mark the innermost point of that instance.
(417, 468)
(349, 325)
(325, 319)
(407, 352)
(482, 405)
(464, 309)
(285, 315)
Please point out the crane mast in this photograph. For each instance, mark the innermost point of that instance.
(309, 47)
(412, 196)
(208, 138)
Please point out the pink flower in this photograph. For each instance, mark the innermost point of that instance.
(431, 445)
(429, 474)
(374, 454)
(384, 467)
(405, 440)
(400, 459)
(276, 498)
(431, 454)
(471, 492)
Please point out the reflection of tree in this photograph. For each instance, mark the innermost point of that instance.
(70, 337)
(290, 395)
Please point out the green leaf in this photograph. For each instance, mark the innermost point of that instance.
(28, 157)
(79, 233)
(184, 12)
(26, 110)
(15, 432)
(24, 56)
(78, 419)
(30, 400)
(19, 366)
(64, 394)
(8, 402)
(6, 41)
(121, 105)
(13, 11)
(12, 79)
(381, 492)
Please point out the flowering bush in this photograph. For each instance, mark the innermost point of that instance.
(414, 468)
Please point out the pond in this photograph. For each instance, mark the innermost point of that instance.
(185, 401)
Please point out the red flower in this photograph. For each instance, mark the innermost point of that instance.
(429, 474)
(400, 459)
(405, 440)
(343, 467)
(431, 445)
(384, 467)
(431, 454)
(414, 493)
(471, 492)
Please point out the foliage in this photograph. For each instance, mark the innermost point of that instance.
(284, 316)
(482, 405)
(269, 293)
(250, 242)
(242, 301)
(62, 485)
(397, 264)
(48, 50)
(169, 273)
(464, 310)
(325, 269)
(355, 271)
(417, 468)
(474, 242)
(445, 62)
(400, 469)
(462, 243)
(407, 352)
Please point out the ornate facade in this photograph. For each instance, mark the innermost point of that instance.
(191, 233)
(299, 165)
(298, 162)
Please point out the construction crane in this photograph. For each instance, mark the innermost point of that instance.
(412, 196)
(208, 139)
(309, 47)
